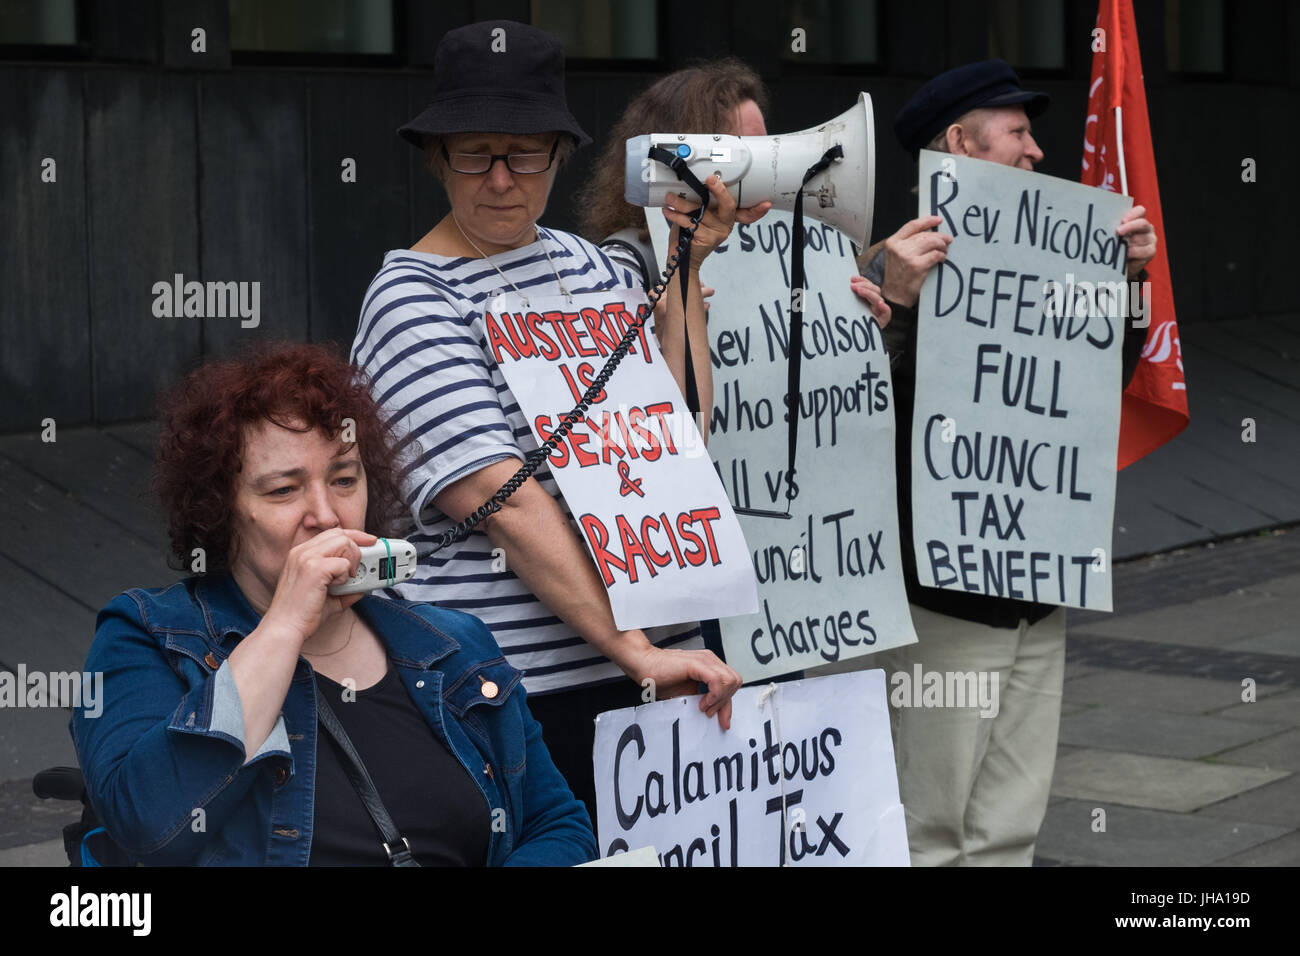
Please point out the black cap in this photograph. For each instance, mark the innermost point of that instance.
(497, 76)
(989, 83)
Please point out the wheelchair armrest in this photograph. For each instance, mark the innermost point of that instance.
(60, 783)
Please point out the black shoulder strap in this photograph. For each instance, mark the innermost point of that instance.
(395, 845)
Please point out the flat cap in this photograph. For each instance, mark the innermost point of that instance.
(988, 83)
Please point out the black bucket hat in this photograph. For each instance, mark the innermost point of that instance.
(988, 83)
(487, 81)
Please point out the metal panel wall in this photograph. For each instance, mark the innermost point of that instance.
(140, 129)
(45, 353)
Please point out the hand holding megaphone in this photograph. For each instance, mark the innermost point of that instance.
(715, 224)
(759, 169)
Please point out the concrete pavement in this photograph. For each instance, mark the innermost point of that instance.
(1180, 729)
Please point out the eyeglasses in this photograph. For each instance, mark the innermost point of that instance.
(478, 163)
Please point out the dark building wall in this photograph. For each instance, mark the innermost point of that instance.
(170, 163)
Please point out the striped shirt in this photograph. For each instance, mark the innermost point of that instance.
(427, 357)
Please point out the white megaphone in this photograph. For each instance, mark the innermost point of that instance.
(755, 168)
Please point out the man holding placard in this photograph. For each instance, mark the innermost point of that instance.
(988, 570)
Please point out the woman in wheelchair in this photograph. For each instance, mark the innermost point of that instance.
(212, 748)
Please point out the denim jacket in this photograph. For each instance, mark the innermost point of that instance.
(164, 761)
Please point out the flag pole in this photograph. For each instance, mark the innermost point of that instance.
(1119, 148)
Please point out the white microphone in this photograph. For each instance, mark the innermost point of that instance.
(382, 564)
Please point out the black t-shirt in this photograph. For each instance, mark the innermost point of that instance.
(432, 801)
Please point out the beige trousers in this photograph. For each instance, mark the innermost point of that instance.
(975, 788)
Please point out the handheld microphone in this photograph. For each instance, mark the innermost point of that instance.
(382, 564)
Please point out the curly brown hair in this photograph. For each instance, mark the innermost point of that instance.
(702, 98)
(203, 424)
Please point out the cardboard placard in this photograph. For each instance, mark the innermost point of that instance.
(1018, 361)
(633, 470)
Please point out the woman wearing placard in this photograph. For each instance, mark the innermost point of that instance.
(494, 135)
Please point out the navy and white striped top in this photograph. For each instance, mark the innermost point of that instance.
(428, 361)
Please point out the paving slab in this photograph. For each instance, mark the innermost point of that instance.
(108, 476)
(51, 534)
(1219, 621)
(47, 630)
(25, 818)
(1276, 582)
(1279, 752)
(49, 853)
(1277, 803)
(1159, 734)
(1218, 477)
(1274, 329)
(1193, 573)
(1156, 783)
(1234, 340)
(1064, 750)
(1160, 692)
(1283, 851)
(1238, 392)
(142, 436)
(1141, 526)
(1208, 478)
(1250, 476)
(1274, 671)
(32, 739)
(1075, 670)
(1202, 490)
(1283, 708)
(1284, 641)
(1137, 837)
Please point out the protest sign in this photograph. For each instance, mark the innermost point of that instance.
(830, 581)
(633, 470)
(805, 776)
(643, 856)
(1018, 384)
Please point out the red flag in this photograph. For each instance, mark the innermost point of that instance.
(1118, 155)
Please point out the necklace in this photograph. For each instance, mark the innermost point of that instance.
(523, 298)
(336, 650)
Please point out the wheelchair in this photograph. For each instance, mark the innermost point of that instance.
(85, 841)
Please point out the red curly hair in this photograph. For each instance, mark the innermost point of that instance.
(203, 423)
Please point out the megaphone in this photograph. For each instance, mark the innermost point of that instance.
(758, 168)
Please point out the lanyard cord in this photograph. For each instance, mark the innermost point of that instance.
(534, 461)
(794, 350)
(795, 355)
